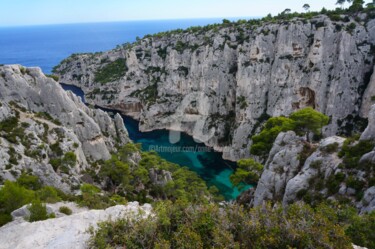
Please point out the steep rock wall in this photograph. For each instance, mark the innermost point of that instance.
(219, 85)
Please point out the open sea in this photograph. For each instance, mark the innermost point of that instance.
(46, 46)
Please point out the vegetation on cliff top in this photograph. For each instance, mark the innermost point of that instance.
(303, 122)
(182, 225)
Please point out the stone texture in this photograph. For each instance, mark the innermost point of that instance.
(369, 133)
(91, 134)
(282, 165)
(219, 88)
(66, 231)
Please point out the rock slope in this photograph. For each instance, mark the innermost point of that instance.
(49, 132)
(297, 170)
(67, 231)
(219, 84)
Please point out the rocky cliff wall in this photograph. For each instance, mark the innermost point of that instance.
(220, 84)
(42, 125)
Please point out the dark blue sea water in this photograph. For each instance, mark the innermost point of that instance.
(46, 46)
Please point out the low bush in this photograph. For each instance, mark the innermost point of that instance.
(209, 226)
(38, 211)
(65, 210)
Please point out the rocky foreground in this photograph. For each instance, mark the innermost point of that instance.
(64, 232)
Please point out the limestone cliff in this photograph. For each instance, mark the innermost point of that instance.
(49, 132)
(219, 84)
(298, 170)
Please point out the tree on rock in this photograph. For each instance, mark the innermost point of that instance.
(309, 120)
(263, 142)
(341, 2)
(306, 7)
(357, 5)
(248, 172)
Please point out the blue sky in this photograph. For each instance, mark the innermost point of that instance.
(31, 12)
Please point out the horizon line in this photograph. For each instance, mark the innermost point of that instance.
(129, 20)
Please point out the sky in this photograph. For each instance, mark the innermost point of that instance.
(36, 12)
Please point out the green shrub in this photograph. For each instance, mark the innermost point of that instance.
(302, 122)
(354, 183)
(247, 172)
(47, 116)
(361, 230)
(352, 153)
(65, 210)
(112, 71)
(54, 77)
(92, 198)
(351, 27)
(330, 148)
(5, 218)
(333, 183)
(48, 194)
(29, 181)
(11, 130)
(38, 211)
(309, 120)
(14, 196)
(233, 226)
(263, 142)
(69, 160)
(316, 164)
(55, 163)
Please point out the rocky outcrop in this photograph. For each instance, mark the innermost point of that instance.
(66, 231)
(219, 84)
(160, 177)
(283, 164)
(41, 123)
(298, 170)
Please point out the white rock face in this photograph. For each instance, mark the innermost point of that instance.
(89, 133)
(284, 175)
(65, 232)
(328, 164)
(220, 85)
(281, 166)
(369, 133)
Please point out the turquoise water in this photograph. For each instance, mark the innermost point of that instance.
(206, 162)
(199, 158)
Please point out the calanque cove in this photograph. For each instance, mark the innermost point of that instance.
(287, 101)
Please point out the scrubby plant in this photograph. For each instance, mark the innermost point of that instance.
(247, 172)
(309, 120)
(178, 225)
(112, 71)
(330, 148)
(262, 143)
(14, 196)
(352, 152)
(38, 211)
(303, 122)
(48, 194)
(361, 230)
(29, 181)
(92, 198)
(65, 210)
